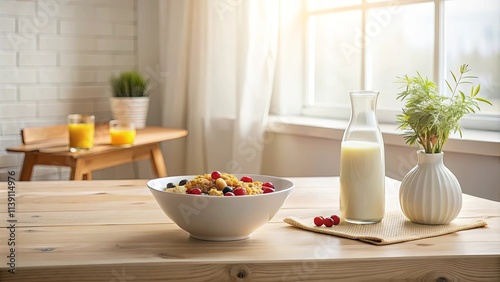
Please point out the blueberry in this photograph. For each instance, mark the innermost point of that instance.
(227, 189)
(183, 182)
(170, 185)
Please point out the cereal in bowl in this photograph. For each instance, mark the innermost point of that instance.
(220, 184)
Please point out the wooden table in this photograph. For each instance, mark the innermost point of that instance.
(102, 155)
(115, 231)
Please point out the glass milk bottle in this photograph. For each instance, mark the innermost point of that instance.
(362, 163)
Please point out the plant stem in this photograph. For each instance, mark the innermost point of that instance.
(457, 83)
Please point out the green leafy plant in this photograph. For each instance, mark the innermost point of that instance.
(428, 118)
(129, 84)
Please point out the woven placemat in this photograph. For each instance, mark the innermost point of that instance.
(394, 228)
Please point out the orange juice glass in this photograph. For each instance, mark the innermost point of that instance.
(81, 132)
(122, 133)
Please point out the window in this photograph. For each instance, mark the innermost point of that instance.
(366, 44)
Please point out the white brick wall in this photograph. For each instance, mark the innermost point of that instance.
(8, 93)
(37, 93)
(7, 24)
(56, 58)
(14, 41)
(86, 60)
(17, 8)
(14, 75)
(7, 59)
(62, 43)
(36, 58)
(85, 28)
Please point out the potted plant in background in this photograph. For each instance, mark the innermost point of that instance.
(430, 193)
(130, 102)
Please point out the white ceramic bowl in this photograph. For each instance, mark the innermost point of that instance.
(219, 218)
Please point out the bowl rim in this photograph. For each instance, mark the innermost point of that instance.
(238, 175)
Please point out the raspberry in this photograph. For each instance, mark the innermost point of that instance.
(246, 179)
(336, 219)
(267, 190)
(239, 191)
(268, 184)
(195, 191)
(328, 222)
(319, 220)
(215, 175)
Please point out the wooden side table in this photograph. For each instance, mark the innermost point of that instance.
(102, 155)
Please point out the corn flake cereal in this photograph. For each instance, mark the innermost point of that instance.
(212, 187)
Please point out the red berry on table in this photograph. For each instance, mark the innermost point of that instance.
(319, 220)
(268, 184)
(239, 191)
(229, 194)
(336, 219)
(267, 190)
(246, 179)
(328, 222)
(215, 175)
(195, 191)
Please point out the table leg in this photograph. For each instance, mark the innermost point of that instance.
(77, 171)
(87, 176)
(27, 169)
(157, 162)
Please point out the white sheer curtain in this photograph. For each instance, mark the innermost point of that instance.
(220, 61)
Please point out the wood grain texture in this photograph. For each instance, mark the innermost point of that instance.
(33, 135)
(115, 231)
(102, 155)
(148, 135)
(439, 269)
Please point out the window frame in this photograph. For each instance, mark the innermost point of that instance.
(477, 121)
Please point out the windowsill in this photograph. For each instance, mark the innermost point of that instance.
(476, 142)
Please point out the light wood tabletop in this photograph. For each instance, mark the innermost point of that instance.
(113, 230)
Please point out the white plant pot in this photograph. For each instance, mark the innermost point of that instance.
(130, 109)
(430, 193)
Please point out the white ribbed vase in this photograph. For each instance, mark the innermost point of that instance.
(430, 193)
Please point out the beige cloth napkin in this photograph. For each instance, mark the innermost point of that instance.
(394, 228)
